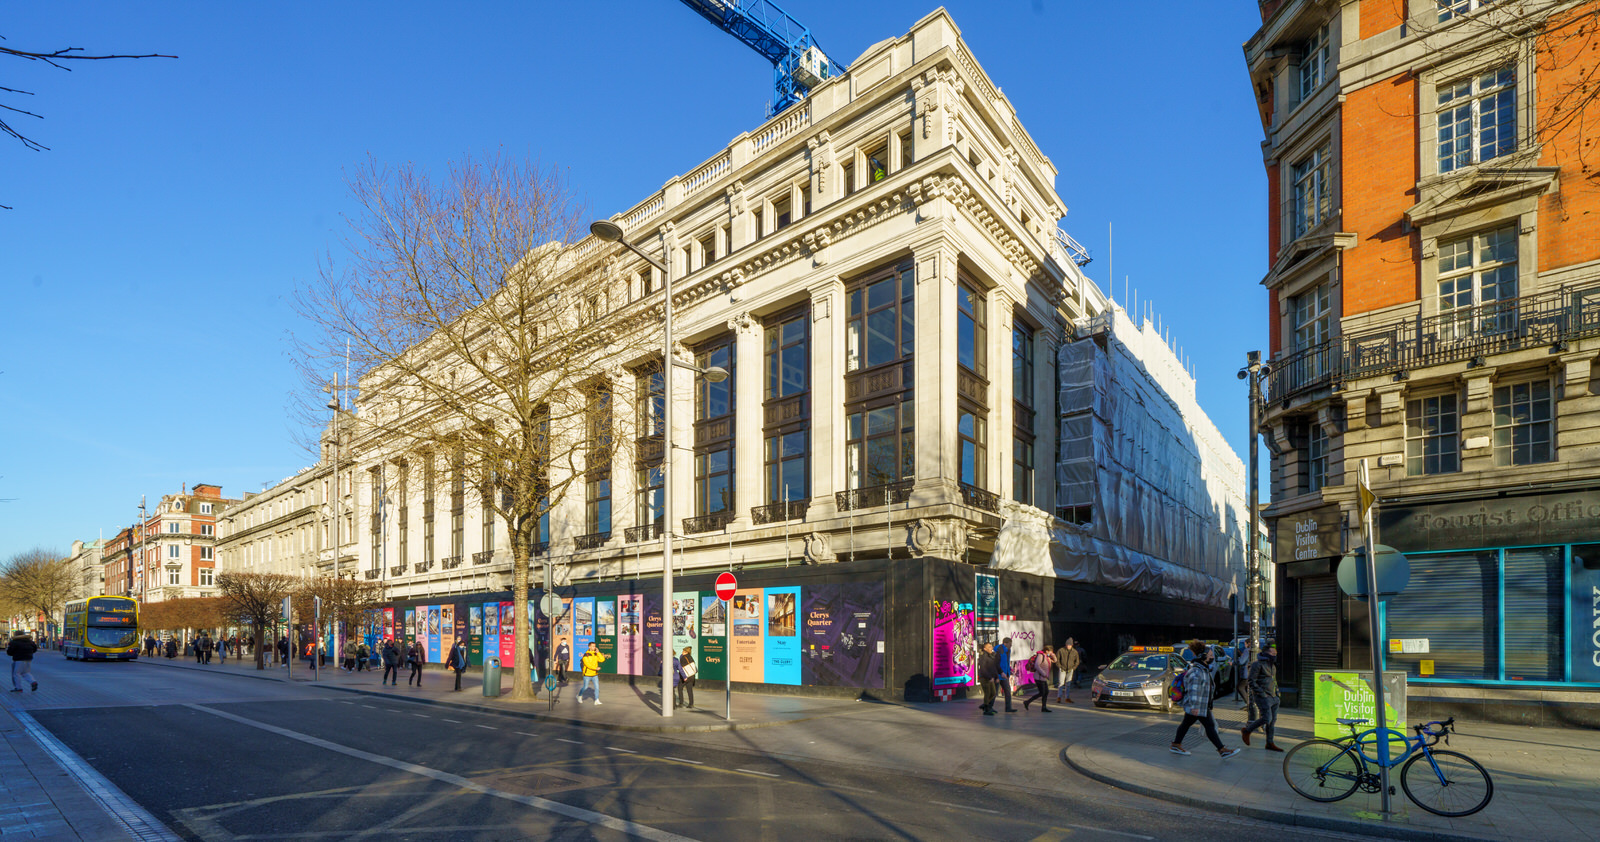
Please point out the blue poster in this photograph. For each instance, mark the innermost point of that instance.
(434, 652)
(491, 630)
(582, 628)
(1584, 634)
(783, 636)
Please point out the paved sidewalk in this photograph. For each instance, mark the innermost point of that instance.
(625, 707)
(1544, 778)
(39, 799)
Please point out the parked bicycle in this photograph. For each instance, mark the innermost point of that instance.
(1443, 782)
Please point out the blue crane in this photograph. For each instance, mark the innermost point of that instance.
(798, 64)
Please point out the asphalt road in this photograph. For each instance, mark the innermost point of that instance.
(218, 757)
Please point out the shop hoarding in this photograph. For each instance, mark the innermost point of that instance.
(843, 640)
(955, 649)
(605, 632)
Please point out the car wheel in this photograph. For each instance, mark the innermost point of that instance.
(1100, 704)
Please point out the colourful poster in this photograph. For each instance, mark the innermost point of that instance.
(1026, 638)
(630, 640)
(582, 625)
(685, 624)
(539, 641)
(491, 630)
(459, 613)
(713, 637)
(474, 650)
(986, 608)
(447, 628)
(955, 651)
(435, 643)
(652, 635)
(843, 635)
(561, 635)
(475, 623)
(1350, 695)
(388, 624)
(782, 644)
(1583, 612)
(508, 632)
(605, 632)
(747, 660)
(410, 627)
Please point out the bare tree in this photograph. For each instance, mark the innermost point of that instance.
(483, 339)
(256, 599)
(40, 580)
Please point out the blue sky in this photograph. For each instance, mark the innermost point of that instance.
(148, 269)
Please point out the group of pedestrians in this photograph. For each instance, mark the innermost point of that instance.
(1199, 691)
(996, 672)
(356, 656)
(414, 657)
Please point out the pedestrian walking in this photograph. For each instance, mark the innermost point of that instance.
(1241, 666)
(362, 657)
(592, 660)
(391, 664)
(349, 664)
(149, 646)
(21, 649)
(685, 675)
(1198, 690)
(1067, 661)
(988, 674)
(1002, 654)
(563, 657)
(222, 650)
(457, 660)
(1039, 666)
(283, 649)
(1263, 681)
(414, 659)
(172, 648)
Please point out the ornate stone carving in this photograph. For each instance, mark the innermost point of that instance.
(821, 148)
(669, 237)
(743, 324)
(817, 242)
(939, 538)
(817, 549)
(736, 199)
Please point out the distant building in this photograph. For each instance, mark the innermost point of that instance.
(86, 563)
(179, 545)
(118, 562)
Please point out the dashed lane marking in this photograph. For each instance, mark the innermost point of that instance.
(623, 750)
(490, 727)
(574, 742)
(526, 734)
(963, 807)
(588, 816)
(686, 760)
(456, 721)
(754, 772)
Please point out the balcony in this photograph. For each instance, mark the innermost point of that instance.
(636, 534)
(1548, 319)
(592, 541)
(873, 496)
(540, 548)
(424, 566)
(707, 523)
(449, 563)
(779, 512)
(374, 573)
(977, 498)
(482, 558)
(397, 570)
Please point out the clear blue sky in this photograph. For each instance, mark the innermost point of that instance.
(149, 265)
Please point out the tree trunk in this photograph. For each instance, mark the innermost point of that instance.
(261, 663)
(522, 678)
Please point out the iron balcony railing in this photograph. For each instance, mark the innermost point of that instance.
(1532, 321)
(707, 523)
(424, 566)
(449, 563)
(397, 570)
(873, 496)
(374, 573)
(779, 512)
(483, 558)
(636, 534)
(591, 541)
(977, 498)
(540, 548)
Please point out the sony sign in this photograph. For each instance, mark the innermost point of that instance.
(1308, 535)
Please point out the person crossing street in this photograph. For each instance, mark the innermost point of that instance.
(457, 661)
(21, 649)
(1263, 681)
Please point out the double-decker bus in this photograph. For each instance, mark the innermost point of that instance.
(101, 628)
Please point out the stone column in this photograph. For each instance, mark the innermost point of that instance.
(749, 483)
(938, 454)
(827, 397)
(1002, 412)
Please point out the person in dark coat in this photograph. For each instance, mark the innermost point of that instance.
(283, 649)
(1002, 654)
(988, 674)
(172, 648)
(21, 649)
(391, 664)
(457, 660)
(685, 672)
(414, 659)
(1262, 679)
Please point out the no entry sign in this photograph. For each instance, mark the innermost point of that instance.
(726, 585)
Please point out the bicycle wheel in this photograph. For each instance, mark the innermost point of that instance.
(1460, 787)
(1322, 770)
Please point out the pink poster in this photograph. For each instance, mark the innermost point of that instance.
(630, 643)
(955, 656)
(508, 631)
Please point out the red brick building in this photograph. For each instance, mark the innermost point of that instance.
(177, 557)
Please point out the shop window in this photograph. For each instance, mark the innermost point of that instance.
(1534, 641)
(1452, 601)
(1433, 435)
(1524, 425)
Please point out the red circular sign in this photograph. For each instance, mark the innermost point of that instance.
(726, 585)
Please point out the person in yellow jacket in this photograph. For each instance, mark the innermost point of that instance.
(592, 660)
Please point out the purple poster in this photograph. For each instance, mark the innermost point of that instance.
(842, 640)
(955, 653)
(652, 635)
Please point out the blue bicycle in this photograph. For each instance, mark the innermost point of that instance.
(1443, 782)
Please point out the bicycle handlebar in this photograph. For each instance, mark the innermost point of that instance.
(1445, 727)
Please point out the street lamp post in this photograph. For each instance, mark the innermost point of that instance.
(611, 232)
(1254, 371)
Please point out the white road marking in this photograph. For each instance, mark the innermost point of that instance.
(456, 721)
(526, 734)
(122, 809)
(373, 707)
(754, 772)
(490, 727)
(589, 816)
(964, 807)
(685, 760)
(574, 742)
(423, 715)
(623, 750)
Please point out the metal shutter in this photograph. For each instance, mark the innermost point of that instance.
(1534, 641)
(1319, 629)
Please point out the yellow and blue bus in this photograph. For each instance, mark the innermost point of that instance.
(101, 628)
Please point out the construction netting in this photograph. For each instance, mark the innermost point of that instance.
(1152, 492)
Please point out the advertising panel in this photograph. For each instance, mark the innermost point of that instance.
(653, 627)
(1585, 615)
(955, 650)
(782, 644)
(388, 624)
(561, 634)
(1349, 695)
(540, 641)
(410, 627)
(491, 630)
(843, 635)
(748, 660)
(447, 627)
(1026, 638)
(582, 626)
(713, 637)
(605, 632)
(986, 608)
(686, 624)
(475, 619)
(435, 651)
(630, 636)
(508, 631)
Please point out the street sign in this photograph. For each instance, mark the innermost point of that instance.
(726, 585)
(550, 604)
(1394, 573)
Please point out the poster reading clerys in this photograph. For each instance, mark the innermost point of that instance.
(843, 641)
(746, 658)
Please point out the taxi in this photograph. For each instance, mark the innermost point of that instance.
(1139, 676)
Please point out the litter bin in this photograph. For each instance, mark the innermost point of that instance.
(491, 678)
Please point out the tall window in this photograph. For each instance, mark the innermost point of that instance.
(174, 551)
(402, 522)
(713, 431)
(1479, 271)
(1478, 119)
(1455, 8)
(1022, 399)
(597, 495)
(880, 446)
(972, 422)
(882, 321)
(541, 488)
(175, 576)
(1313, 190)
(787, 415)
(1316, 473)
(429, 496)
(1433, 430)
(972, 430)
(650, 408)
(1524, 426)
(206, 575)
(1314, 65)
(971, 330)
(375, 513)
(782, 212)
(458, 503)
(1313, 325)
(880, 410)
(648, 485)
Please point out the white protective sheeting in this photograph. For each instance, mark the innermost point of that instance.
(1156, 493)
